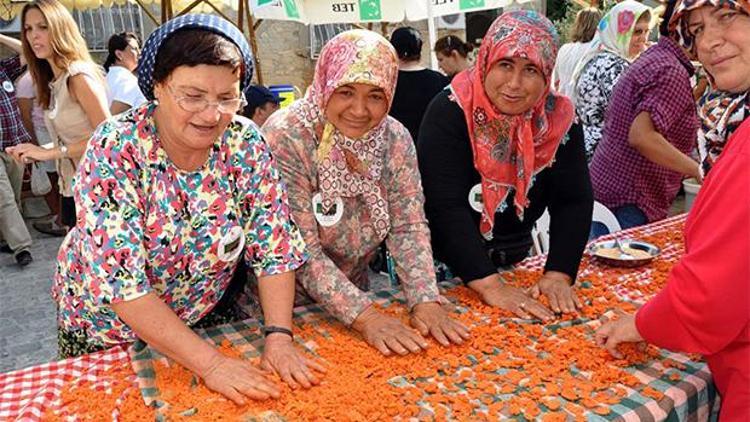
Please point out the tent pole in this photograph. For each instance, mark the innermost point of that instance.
(241, 15)
(432, 34)
(253, 41)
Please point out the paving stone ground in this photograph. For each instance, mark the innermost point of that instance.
(27, 313)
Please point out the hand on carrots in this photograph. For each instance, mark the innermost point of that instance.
(556, 286)
(495, 293)
(432, 319)
(388, 334)
(237, 379)
(281, 357)
(621, 330)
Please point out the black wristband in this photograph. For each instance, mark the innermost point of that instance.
(273, 329)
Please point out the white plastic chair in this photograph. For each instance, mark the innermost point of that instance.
(603, 215)
(540, 232)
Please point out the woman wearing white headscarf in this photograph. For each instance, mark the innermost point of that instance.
(620, 38)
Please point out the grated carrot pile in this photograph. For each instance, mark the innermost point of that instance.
(113, 394)
(507, 369)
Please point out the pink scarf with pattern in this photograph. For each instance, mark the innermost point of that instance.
(510, 150)
(350, 167)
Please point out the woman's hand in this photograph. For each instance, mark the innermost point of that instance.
(237, 379)
(494, 293)
(556, 286)
(388, 334)
(432, 318)
(26, 153)
(621, 330)
(281, 357)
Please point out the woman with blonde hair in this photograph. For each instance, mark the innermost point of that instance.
(581, 40)
(70, 88)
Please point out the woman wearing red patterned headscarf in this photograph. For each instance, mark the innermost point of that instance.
(495, 151)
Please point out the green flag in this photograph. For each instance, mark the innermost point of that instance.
(369, 10)
(291, 8)
(470, 4)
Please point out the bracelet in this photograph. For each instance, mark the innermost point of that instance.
(273, 329)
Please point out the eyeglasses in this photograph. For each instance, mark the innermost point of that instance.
(199, 104)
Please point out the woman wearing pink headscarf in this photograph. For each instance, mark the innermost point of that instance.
(353, 182)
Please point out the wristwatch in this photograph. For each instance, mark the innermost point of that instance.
(273, 329)
(64, 151)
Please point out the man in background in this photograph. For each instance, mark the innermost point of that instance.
(14, 236)
(261, 103)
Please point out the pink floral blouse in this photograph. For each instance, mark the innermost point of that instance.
(341, 244)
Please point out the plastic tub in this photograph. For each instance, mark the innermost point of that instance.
(691, 190)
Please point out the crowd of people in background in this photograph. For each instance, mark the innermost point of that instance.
(189, 198)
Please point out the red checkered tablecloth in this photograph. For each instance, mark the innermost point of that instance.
(25, 394)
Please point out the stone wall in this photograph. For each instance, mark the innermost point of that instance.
(284, 50)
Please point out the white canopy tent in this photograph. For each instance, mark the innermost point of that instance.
(369, 11)
(249, 12)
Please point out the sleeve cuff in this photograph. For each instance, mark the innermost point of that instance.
(420, 296)
(273, 267)
(572, 273)
(127, 295)
(348, 317)
(481, 273)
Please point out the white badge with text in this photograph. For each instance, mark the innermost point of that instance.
(232, 244)
(330, 218)
(475, 198)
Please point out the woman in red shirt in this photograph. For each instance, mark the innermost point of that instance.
(705, 306)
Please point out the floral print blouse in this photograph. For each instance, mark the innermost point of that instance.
(593, 94)
(335, 276)
(145, 225)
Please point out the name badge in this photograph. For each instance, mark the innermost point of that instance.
(232, 244)
(475, 198)
(8, 86)
(330, 218)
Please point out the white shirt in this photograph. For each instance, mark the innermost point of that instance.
(25, 89)
(567, 59)
(123, 87)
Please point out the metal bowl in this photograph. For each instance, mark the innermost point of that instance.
(596, 250)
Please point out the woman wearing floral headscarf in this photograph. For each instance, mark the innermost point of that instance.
(705, 306)
(620, 38)
(172, 195)
(353, 181)
(494, 152)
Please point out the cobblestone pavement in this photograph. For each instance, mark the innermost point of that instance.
(27, 312)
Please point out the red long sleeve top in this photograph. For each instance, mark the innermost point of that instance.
(705, 306)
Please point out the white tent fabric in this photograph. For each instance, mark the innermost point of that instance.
(10, 8)
(364, 11)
